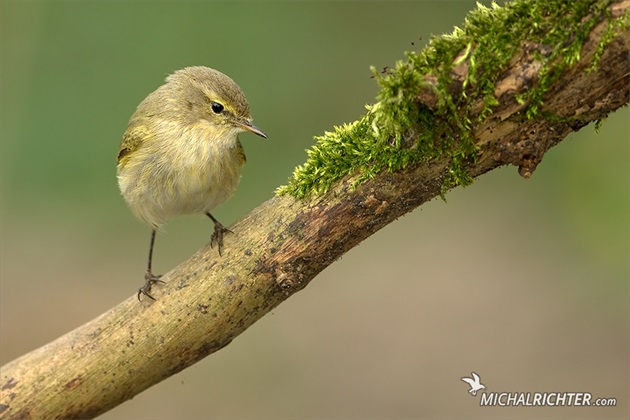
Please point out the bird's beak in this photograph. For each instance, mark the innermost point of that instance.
(247, 126)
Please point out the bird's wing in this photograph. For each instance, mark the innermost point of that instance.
(475, 377)
(468, 381)
(136, 134)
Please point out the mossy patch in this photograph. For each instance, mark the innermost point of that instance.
(399, 131)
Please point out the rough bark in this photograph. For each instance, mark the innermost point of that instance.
(278, 248)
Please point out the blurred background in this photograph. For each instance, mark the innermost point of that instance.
(523, 282)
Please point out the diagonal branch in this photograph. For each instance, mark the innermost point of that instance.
(446, 120)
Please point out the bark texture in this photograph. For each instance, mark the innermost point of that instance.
(284, 243)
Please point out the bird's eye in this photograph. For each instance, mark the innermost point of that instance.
(217, 108)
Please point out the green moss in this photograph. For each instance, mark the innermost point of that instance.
(598, 123)
(614, 26)
(398, 131)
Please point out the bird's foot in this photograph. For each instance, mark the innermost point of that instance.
(149, 280)
(217, 235)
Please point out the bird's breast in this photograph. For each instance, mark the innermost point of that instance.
(206, 174)
(189, 175)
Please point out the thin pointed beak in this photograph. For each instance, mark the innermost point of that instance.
(246, 125)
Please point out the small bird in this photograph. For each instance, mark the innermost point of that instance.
(475, 384)
(181, 154)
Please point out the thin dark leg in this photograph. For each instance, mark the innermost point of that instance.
(151, 243)
(149, 278)
(217, 235)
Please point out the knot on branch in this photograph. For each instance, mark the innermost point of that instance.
(528, 150)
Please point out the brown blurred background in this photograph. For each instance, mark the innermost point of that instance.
(523, 282)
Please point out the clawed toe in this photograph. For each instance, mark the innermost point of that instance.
(217, 236)
(150, 280)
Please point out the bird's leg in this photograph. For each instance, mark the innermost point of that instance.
(217, 235)
(149, 278)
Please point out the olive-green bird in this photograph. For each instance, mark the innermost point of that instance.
(181, 154)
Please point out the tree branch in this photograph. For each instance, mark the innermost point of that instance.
(284, 243)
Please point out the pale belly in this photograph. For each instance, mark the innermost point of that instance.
(158, 191)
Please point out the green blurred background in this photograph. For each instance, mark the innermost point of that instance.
(523, 282)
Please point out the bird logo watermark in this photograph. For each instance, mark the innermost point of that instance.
(534, 399)
(475, 384)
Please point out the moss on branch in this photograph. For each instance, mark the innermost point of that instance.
(429, 104)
